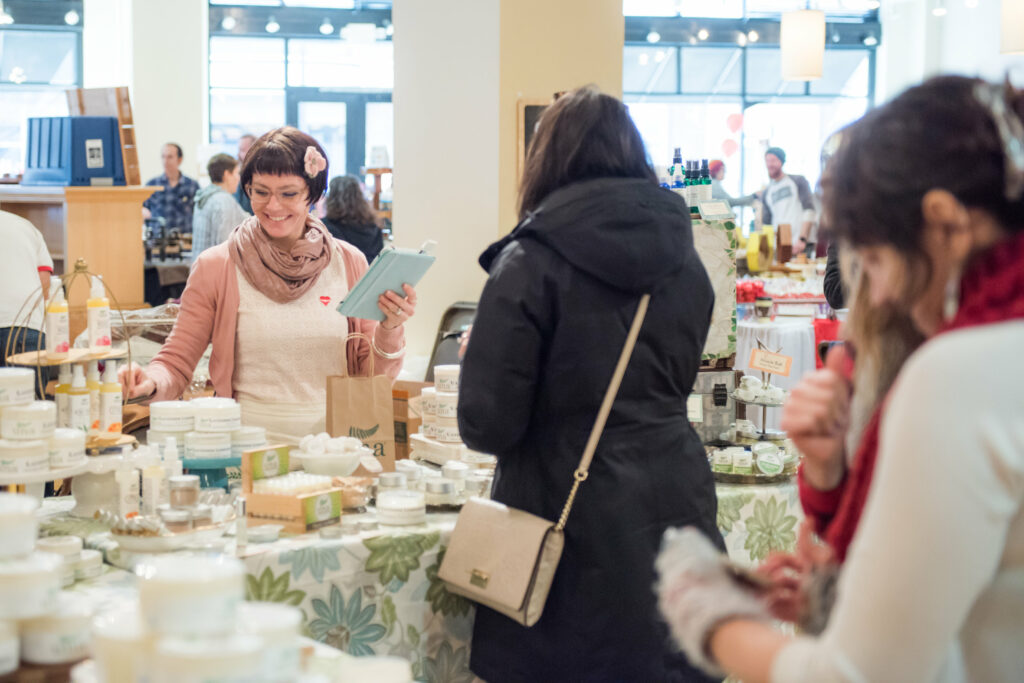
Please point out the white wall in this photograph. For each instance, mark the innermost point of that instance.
(446, 147)
(107, 44)
(916, 44)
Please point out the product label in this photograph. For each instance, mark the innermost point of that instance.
(65, 457)
(56, 648)
(191, 617)
(269, 462)
(94, 153)
(743, 462)
(79, 411)
(322, 509)
(769, 463)
(63, 409)
(99, 326)
(110, 412)
(182, 423)
(57, 333)
(28, 429)
(722, 461)
(772, 363)
(218, 424)
(17, 395)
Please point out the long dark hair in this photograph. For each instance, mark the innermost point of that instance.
(582, 136)
(934, 135)
(346, 203)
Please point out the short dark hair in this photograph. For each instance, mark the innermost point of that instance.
(584, 135)
(936, 135)
(346, 203)
(282, 151)
(176, 146)
(218, 165)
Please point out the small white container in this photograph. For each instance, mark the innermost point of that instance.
(18, 524)
(89, 565)
(247, 439)
(391, 481)
(9, 648)
(413, 474)
(190, 596)
(277, 626)
(447, 405)
(478, 485)
(476, 459)
(158, 439)
(217, 415)
(401, 508)
(59, 638)
(428, 402)
(35, 420)
(17, 386)
(448, 430)
(377, 669)
(446, 378)
(457, 472)
(29, 585)
(121, 647)
(439, 492)
(67, 448)
(172, 416)
(70, 550)
(207, 445)
(230, 659)
(24, 457)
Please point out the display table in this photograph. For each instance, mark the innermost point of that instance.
(757, 520)
(791, 338)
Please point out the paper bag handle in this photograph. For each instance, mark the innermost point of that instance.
(373, 348)
(606, 407)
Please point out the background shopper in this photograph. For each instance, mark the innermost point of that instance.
(216, 213)
(788, 199)
(173, 204)
(351, 218)
(266, 299)
(931, 587)
(596, 233)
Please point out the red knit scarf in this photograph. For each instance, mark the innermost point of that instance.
(991, 291)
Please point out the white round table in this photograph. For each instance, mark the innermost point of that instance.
(790, 338)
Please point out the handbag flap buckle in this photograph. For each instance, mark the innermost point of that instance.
(479, 578)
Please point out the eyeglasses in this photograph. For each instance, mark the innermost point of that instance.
(260, 195)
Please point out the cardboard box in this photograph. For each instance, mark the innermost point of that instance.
(298, 514)
(407, 417)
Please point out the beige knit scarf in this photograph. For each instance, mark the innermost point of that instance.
(280, 275)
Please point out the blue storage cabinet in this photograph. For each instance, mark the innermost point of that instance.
(73, 150)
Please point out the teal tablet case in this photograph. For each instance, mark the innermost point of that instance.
(392, 268)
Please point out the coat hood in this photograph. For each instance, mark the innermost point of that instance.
(628, 233)
(203, 195)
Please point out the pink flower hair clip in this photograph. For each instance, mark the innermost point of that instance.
(314, 161)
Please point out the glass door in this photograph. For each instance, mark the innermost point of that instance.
(327, 122)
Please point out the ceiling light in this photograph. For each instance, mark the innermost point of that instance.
(643, 58)
(753, 36)
(272, 25)
(17, 74)
(653, 36)
(703, 34)
(835, 35)
(228, 23)
(940, 8)
(970, 4)
(874, 4)
(5, 18)
(741, 39)
(659, 56)
(72, 18)
(693, 40)
(869, 40)
(326, 28)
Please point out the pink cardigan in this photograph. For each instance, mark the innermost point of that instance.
(209, 312)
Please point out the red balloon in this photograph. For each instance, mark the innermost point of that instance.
(734, 122)
(730, 147)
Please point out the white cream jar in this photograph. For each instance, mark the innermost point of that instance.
(29, 585)
(24, 457)
(172, 416)
(67, 448)
(35, 420)
(207, 445)
(190, 596)
(17, 386)
(59, 638)
(18, 524)
(217, 415)
(277, 626)
(232, 659)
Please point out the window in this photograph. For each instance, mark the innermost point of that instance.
(234, 112)
(764, 74)
(845, 72)
(650, 69)
(341, 64)
(20, 103)
(247, 95)
(246, 62)
(713, 70)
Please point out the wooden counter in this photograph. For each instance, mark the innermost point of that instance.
(102, 225)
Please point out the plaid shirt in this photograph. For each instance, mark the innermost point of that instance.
(173, 204)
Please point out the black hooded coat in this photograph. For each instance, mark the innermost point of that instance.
(554, 314)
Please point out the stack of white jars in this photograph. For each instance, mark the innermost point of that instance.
(446, 403)
(39, 624)
(191, 625)
(208, 427)
(28, 427)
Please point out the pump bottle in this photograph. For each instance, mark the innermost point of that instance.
(56, 325)
(78, 401)
(62, 396)
(92, 383)
(98, 317)
(110, 400)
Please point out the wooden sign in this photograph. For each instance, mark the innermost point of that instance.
(772, 363)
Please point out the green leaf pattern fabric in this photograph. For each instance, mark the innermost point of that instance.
(756, 521)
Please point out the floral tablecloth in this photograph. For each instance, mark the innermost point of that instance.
(756, 520)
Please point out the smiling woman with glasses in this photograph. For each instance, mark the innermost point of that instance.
(266, 300)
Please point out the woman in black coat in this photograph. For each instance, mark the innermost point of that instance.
(596, 233)
(351, 218)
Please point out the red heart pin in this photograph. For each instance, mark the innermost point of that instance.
(325, 300)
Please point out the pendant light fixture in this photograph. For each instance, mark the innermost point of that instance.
(1012, 27)
(802, 40)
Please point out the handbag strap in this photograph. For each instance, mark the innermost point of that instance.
(583, 470)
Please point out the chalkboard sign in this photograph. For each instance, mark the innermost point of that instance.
(529, 116)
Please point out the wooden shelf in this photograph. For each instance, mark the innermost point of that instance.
(39, 358)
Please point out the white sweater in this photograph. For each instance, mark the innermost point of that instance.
(933, 587)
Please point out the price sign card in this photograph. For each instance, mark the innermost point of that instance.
(772, 363)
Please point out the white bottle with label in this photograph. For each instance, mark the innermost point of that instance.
(62, 396)
(110, 400)
(92, 383)
(127, 478)
(78, 401)
(98, 317)
(56, 325)
(154, 486)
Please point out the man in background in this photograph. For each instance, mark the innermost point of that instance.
(174, 203)
(216, 213)
(25, 269)
(788, 199)
(244, 143)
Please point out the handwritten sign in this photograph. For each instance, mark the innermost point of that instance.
(772, 363)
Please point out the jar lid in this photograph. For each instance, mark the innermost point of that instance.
(444, 486)
(453, 469)
(392, 480)
(175, 516)
(75, 437)
(36, 563)
(184, 481)
(171, 408)
(60, 545)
